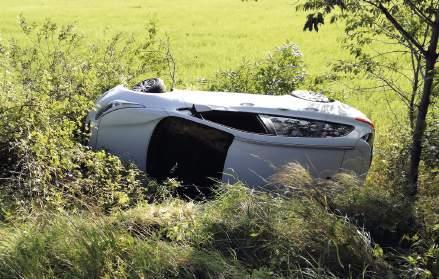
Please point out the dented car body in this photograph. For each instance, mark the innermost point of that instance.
(202, 137)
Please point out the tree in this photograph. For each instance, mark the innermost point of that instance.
(409, 28)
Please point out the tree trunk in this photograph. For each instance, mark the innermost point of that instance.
(418, 133)
(417, 65)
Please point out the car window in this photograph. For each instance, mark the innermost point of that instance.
(298, 127)
(248, 122)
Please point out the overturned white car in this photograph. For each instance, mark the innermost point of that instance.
(203, 137)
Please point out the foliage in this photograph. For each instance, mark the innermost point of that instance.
(412, 27)
(88, 246)
(289, 235)
(279, 73)
(404, 233)
(431, 144)
(301, 227)
(47, 87)
(239, 234)
(384, 212)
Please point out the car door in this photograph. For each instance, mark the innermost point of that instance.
(264, 143)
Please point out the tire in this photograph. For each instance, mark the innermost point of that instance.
(152, 85)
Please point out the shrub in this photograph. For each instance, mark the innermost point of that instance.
(48, 84)
(279, 73)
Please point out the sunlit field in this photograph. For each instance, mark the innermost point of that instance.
(209, 35)
(206, 35)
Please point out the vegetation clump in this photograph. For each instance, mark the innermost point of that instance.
(49, 82)
(67, 211)
(281, 72)
(239, 234)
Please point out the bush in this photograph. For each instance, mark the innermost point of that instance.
(281, 72)
(48, 84)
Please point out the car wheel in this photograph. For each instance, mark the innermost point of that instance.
(152, 85)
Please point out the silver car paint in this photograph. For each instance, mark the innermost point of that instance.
(126, 128)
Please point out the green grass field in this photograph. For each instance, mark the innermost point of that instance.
(207, 35)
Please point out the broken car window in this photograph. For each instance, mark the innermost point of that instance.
(297, 127)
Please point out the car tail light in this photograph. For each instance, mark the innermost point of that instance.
(365, 120)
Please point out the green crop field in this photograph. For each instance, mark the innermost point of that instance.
(206, 35)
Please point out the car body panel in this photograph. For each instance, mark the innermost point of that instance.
(126, 132)
(254, 162)
(358, 160)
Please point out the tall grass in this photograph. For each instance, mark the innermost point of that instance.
(239, 234)
(59, 246)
